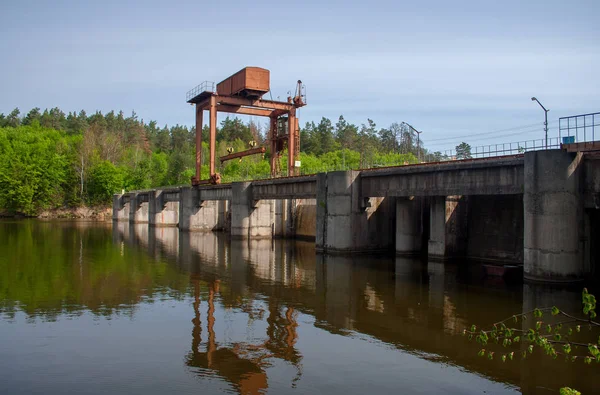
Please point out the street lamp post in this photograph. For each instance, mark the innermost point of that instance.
(418, 145)
(418, 140)
(545, 119)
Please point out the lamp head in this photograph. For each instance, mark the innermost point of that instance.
(533, 98)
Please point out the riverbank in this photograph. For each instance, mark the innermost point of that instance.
(99, 213)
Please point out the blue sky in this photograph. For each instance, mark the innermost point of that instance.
(451, 69)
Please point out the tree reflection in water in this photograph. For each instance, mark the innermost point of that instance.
(390, 308)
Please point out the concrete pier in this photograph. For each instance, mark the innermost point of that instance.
(283, 221)
(162, 210)
(409, 225)
(448, 227)
(138, 208)
(553, 209)
(250, 218)
(199, 216)
(120, 208)
(348, 223)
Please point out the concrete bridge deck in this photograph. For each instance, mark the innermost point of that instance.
(503, 175)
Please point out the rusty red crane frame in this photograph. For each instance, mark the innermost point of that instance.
(242, 94)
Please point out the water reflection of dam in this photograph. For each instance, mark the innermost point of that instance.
(420, 308)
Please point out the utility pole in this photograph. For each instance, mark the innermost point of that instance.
(545, 119)
(418, 140)
(418, 145)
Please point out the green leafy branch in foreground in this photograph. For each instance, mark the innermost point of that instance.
(555, 339)
(569, 391)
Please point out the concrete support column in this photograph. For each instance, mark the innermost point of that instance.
(224, 216)
(437, 227)
(249, 218)
(196, 215)
(161, 212)
(553, 208)
(346, 222)
(120, 208)
(448, 227)
(138, 209)
(283, 218)
(409, 226)
(286, 219)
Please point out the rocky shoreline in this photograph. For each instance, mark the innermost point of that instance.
(101, 213)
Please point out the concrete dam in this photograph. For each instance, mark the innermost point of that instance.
(540, 210)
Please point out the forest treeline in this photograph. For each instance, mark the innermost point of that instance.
(51, 159)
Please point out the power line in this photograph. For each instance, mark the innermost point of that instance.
(488, 133)
(487, 137)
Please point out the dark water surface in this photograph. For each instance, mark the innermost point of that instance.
(90, 309)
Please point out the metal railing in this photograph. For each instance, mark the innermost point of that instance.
(579, 128)
(206, 86)
(478, 152)
(493, 150)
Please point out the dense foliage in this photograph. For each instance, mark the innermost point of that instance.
(50, 159)
(49, 269)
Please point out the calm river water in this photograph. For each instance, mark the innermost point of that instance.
(87, 308)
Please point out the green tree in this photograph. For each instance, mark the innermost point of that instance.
(53, 119)
(76, 124)
(234, 128)
(104, 181)
(408, 139)
(463, 151)
(308, 140)
(162, 140)
(34, 115)
(178, 163)
(369, 143)
(13, 119)
(324, 137)
(33, 168)
(346, 135)
(390, 138)
(437, 156)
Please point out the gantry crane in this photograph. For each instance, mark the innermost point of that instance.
(242, 93)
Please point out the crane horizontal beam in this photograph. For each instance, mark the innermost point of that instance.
(244, 110)
(240, 101)
(241, 154)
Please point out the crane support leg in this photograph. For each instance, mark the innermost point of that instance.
(215, 178)
(291, 143)
(273, 141)
(199, 113)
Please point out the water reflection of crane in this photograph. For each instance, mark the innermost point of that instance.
(240, 363)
